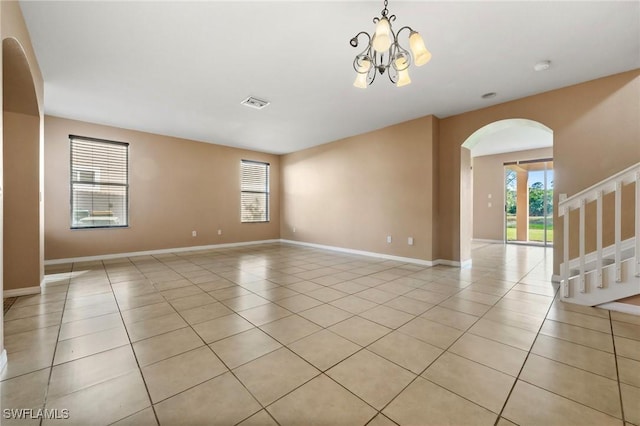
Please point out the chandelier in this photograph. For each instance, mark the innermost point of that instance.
(384, 53)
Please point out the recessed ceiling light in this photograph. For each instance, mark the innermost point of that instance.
(489, 95)
(542, 66)
(255, 103)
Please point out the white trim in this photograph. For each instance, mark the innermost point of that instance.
(556, 278)
(363, 253)
(465, 264)
(21, 291)
(627, 248)
(482, 240)
(445, 262)
(152, 252)
(626, 308)
(3, 359)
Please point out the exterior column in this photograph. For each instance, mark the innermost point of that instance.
(522, 206)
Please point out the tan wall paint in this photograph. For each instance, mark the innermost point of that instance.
(488, 178)
(466, 204)
(12, 25)
(354, 192)
(2, 351)
(176, 186)
(596, 134)
(21, 201)
(633, 300)
(435, 188)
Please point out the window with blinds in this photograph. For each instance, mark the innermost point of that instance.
(99, 183)
(254, 186)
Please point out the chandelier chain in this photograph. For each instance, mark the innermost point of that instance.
(385, 11)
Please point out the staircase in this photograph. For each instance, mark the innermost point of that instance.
(604, 274)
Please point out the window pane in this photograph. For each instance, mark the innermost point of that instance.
(99, 183)
(254, 207)
(254, 184)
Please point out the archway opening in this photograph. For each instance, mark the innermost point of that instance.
(485, 210)
(21, 157)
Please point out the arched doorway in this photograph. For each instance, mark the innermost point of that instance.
(484, 155)
(21, 172)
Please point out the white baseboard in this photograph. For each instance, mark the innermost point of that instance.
(465, 264)
(26, 291)
(152, 252)
(456, 264)
(556, 278)
(482, 240)
(626, 308)
(362, 253)
(3, 359)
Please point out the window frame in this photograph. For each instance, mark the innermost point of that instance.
(267, 190)
(96, 182)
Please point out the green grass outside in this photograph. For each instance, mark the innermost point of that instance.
(534, 235)
(536, 229)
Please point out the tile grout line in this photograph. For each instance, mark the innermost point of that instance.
(186, 259)
(229, 370)
(459, 337)
(615, 358)
(53, 358)
(515, 382)
(131, 345)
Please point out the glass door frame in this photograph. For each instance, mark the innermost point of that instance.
(545, 199)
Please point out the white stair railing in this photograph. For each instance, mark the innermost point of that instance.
(579, 201)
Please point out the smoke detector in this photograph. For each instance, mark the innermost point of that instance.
(255, 103)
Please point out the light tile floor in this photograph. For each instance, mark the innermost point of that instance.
(279, 334)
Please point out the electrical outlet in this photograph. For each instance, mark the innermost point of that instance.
(194, 234)
(490, 204)
(219, 231)
(294, 229)
(389, 239)
(410, 241)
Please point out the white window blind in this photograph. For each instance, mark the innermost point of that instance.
(99, 183)
(254, 186)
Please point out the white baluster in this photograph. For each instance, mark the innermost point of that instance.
(565, 249)
(637, 211)
(618, 230)
(583, 288)
(599, 239)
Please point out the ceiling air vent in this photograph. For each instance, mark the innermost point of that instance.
(254, 103)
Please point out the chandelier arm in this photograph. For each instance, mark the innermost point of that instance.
(372, 72)
(393, 79)
(354, 41)
(406, 27)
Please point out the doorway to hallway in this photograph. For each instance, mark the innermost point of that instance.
(529, 202)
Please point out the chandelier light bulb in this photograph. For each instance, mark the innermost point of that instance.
(361, 81)
(403, 73)
(382, 38)
(364, 65)
(420, 53)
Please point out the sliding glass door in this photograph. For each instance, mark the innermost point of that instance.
(529, 202)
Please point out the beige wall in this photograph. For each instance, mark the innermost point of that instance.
(21, 201)
(176, 186)
(488, 178)
(354, 192)
(12, 26)
(596, 134)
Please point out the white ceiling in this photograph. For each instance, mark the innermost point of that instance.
(182, 68)
(512, 139)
